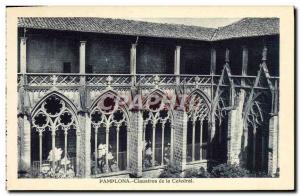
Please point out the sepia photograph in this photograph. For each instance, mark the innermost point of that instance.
(147, 99)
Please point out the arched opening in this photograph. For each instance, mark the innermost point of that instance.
(219, 144)
(109, 124)
(157, 132)
(258, 133)
(54, 136)
(197, 127)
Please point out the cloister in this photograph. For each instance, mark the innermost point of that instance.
(70, 66)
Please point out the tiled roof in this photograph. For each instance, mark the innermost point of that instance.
(247, 27)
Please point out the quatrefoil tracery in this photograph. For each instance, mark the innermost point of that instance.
(98, 119)
(53, 114)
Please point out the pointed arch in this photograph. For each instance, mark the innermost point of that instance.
(54, 124)
(226, 80)
(198, 107)
(157, 130)
(202, 94)
(109, 134)
(261, 78)
(58, 94)
(256, 121)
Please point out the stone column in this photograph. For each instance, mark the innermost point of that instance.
(177, 63)
(25, 150)
(273, 145)
(80, 145)
(135, 141)
(180, 139)
(23, 59)
(235, 130)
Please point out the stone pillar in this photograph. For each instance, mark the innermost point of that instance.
(273, 145)
(23, 59)
(87, 147)
(80, 145)
(25, 150)
(135, 141)
(180, 139)
(213, 61)
(235, 131)
(177, 63)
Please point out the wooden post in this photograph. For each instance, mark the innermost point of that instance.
(177, 63)
(82, 57)
(264, 54)
(245, 61)
(227, 56)
(244, 64)
(133, 63)
(213, 61)
(82, 61)
(23, 59)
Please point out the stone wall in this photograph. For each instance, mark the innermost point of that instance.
(47, 54)
(155, 58)
(107, 56)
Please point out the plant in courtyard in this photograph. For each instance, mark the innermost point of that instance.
(194, 173)
(170, 172)
(147, 162)
(101, 159)
(62, 167)
(229, 171)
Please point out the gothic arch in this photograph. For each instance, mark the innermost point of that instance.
(61, 96)
(157, 130)
(109, 135)
(198, 107)
(54, 120)
(256, 122)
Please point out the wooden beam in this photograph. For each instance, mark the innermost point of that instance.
(23, 58)
(82, 48)
(244, 61)
(213, 61)
(133, 59)
(177, 60)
